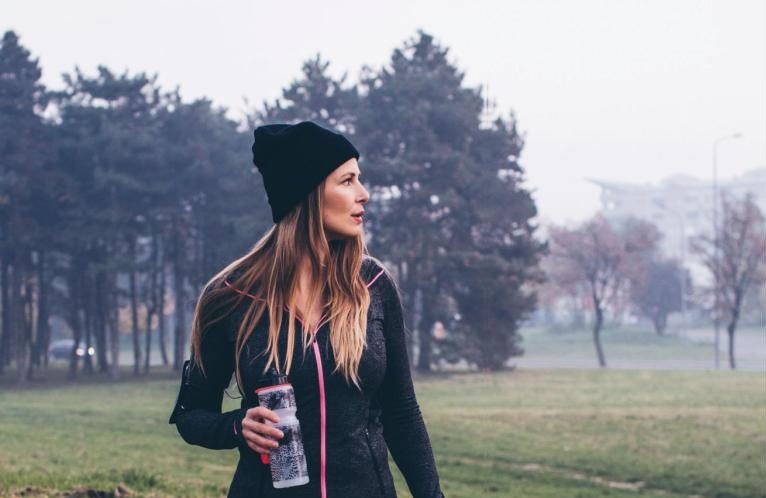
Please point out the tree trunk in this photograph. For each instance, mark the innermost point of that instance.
(29, 329)
(416, 305)
(179, 334)
(18, 328)
(424, 332)
(5, 340)
(411, 309)
(114, 326)
(430, 291)
(101, 312)
(150, 309)
(148, 341)
(732, 361)
(43, 327)
(134, 309)
(151, 299)
(87, 320)
(75, 294)
(597, 331)
(161, 314)
(731, 328)
(660, 321)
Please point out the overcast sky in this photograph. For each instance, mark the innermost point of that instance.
(619, 90)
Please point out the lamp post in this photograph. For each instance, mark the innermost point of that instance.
(716, 263)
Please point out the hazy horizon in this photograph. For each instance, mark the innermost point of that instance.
(619, 91)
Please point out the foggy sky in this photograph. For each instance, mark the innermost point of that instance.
(616, 90)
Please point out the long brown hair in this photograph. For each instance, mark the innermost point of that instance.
(269, 272)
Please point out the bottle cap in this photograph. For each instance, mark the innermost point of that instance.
(277, 378)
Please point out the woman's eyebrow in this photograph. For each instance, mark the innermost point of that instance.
(350, 173)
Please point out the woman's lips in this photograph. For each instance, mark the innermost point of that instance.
(357, 218)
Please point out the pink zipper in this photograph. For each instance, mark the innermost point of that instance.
(322, 401)
(322, 423)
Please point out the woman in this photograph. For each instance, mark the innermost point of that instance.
(309, 302)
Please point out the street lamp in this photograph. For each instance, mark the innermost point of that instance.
(716, 264)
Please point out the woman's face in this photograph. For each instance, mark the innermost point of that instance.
(344, 197)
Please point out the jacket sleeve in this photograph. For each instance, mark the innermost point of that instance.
(197, 411)
(403, 427)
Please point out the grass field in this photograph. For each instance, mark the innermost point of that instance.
(528, 433)
(638, 347)
(625, 342)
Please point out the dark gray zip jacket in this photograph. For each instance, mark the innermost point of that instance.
(359, 426)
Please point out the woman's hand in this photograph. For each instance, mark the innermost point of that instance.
(260, 436)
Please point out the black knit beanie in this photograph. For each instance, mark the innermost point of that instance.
(294, 159)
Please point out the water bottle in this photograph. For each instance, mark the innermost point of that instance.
(288, 460)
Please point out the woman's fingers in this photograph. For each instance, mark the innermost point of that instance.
(259, 426)
(257, 442)
(260, 412)
(261, 436)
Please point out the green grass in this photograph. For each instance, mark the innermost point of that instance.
(527, 434)
(639, 346)
(618, 342)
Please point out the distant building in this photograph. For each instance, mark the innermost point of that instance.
(681, 206)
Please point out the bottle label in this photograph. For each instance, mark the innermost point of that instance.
(288, 461)
(278, 398)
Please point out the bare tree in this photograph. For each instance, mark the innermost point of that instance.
(602, 257)
(741, 246)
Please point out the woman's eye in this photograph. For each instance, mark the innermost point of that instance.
(347, 180)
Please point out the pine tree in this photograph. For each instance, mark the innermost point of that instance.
(452, 209)
(24, 212)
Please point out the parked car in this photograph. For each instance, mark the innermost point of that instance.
(62, 349)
